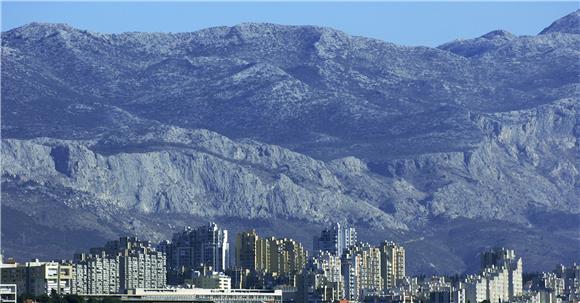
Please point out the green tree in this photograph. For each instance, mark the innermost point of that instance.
(73, 299)
(55, 297)
(111, 300)
(43, 298)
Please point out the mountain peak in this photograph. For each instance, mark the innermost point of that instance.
(498, 34)
(44, 26)
(39, 30)
(569, 24)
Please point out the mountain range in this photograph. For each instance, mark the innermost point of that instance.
(287, 129)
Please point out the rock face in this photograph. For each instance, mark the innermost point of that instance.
(570, 24)
(265, 124)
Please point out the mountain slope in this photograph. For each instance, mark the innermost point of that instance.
(263, 122)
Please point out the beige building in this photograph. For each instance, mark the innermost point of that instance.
(270, 255)
(36, 278)
(392, 263)
(361, 267)
(249, 251)
(286, 256)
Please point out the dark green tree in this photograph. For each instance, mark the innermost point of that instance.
(111, 300)
(73, 299)
(44, 298)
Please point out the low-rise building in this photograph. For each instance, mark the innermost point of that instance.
(197, 295)
(36, 277)
(8, 293)
(210, 280)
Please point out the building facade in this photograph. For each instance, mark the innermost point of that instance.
(36, 277)
(361, 267)
(172, 295)
(195, 248)
(8, 293)
(475, 289)
(392, 263)
(120, 265)
(506, 258)
(335, 239)
(269, 255)
(96, 274)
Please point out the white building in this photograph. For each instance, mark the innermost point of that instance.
(330, 267)
(335, 239)
(498, 284)
(123, 264)
(211, 280)
(38, 277)
(550, 281)
(96, 274)
(506, 258)
(198, 294)
(475, 289)
(8, 293)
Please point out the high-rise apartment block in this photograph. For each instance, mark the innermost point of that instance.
(193, 249)
(127, 263)
(96, 274)
(506, 258)
(286, 256)
(329, 267)
(249, 254)
(475, 289)
(500, 279)
(361, 267)
(269, 255)
(335, 239)
(392, 263)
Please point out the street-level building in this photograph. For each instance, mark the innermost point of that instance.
(198, 295)
(36, 277)
(8, 293)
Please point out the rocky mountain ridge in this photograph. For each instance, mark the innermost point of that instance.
(269, 123)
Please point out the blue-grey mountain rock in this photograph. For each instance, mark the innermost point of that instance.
(569, 24)
(288, 128)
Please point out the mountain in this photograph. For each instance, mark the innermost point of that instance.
(569, 24)
(289, 128)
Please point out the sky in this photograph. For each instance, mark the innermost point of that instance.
(405, 23)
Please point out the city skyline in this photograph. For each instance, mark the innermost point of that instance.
(242, 151)
(129, 266)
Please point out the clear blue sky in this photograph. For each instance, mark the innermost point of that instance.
(407, 23)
